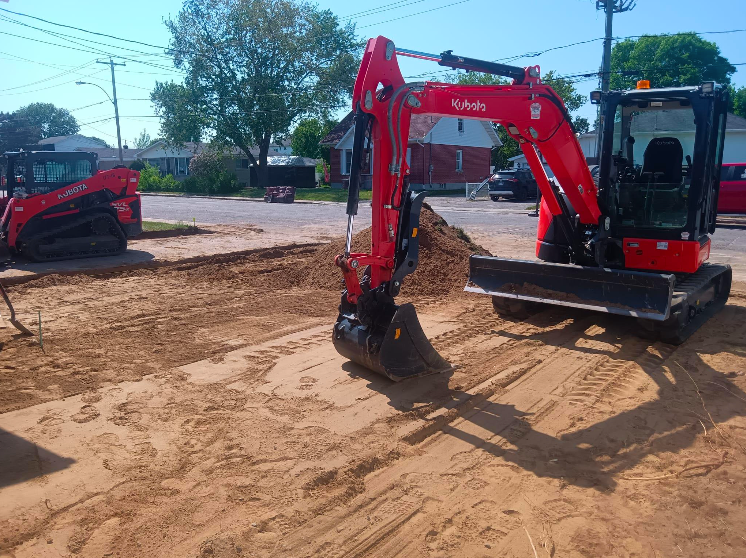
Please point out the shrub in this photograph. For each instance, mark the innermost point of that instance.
(206, 164)
(150, 179)
(221, 182)
(137, 165)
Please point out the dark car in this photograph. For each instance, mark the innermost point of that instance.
(518, 184)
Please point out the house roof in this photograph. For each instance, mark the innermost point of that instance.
(198, 147)
(290, 161)
(110, 153)
(339, 131)
(420, 126)
(58, 139)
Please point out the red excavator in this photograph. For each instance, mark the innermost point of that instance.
(59, 206)
(633, 241)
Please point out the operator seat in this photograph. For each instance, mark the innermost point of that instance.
(663, 159)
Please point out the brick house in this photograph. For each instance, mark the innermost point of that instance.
(443, 153)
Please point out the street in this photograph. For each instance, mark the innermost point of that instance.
(504, 228)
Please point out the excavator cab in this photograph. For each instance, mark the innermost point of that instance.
(660, 169)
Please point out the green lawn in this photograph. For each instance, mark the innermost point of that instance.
(331, 194)
(314, 194)
(149, 226)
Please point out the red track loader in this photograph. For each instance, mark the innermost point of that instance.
(58, 206)
(634, 243)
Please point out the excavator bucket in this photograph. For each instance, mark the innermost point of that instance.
(628, 293)
(398, 351)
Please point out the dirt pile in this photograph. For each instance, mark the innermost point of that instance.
(443, 267)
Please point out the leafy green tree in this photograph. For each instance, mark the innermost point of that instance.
(143, 140)
(307, 135)
(253, 68)
(510, 148)
(668, 61)
(50, 120)
(738, 101)
(16, 132)
(572, 99)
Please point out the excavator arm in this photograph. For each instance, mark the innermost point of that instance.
(383, 102)
(532, 113)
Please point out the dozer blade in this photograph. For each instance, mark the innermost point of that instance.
(628, 293)
(398, 351)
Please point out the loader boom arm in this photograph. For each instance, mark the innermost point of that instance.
(532, 113)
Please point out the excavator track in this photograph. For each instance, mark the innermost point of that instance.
(97, 234)
(696, 297)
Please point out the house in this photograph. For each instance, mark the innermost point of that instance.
(108, 157)
(678, 124)
(281, 147)
(283, 170)
(520, 162)
(71, 143)
(443, 153)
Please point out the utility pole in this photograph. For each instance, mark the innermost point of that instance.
(610, 7)
(111, 63)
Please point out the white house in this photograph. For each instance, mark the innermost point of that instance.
(678, 124)
(73, 142)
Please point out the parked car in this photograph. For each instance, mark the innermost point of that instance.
(518, 184)
(732, 198)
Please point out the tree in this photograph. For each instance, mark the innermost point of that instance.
(510, 148)
(307, 135)
(572, 99)
(668, 61)
(16, 132)
(253, 68)
(50, 120)
(143, 140)
(737, 101)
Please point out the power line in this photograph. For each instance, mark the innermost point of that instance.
(51, 86)
(66, 72)
(379, 9)
(82, 30)
(416, 13)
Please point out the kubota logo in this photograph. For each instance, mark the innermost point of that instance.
(71, 191)
(477, 105)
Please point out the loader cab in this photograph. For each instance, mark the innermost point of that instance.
(660, 162)
(41, 172)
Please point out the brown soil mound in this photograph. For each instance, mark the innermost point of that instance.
(443, 267)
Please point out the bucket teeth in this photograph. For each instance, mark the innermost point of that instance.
(400, 350)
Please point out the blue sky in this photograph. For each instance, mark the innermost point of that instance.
(488, 29)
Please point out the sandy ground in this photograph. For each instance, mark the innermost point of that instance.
(201, 410)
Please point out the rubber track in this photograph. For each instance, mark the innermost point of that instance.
(30, 245)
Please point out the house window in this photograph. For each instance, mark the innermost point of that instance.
(409, 157)
(459, 161)
(181, 166)
(242, 164)
(460, 125)
(346, 161)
